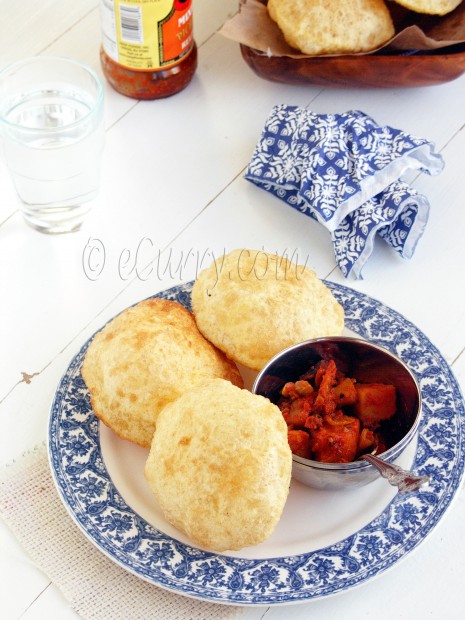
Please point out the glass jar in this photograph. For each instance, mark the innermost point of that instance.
(148, 49)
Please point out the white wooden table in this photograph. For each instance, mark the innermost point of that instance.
(173, 181)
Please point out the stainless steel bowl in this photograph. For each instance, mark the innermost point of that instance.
(366, 362)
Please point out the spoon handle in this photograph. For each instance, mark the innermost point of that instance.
(405, 481)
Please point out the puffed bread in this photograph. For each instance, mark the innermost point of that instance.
(333, 26)
(252, 304)
(145, 358)
(220, 465)
(430, 7)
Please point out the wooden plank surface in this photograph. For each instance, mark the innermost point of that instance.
(173, 187)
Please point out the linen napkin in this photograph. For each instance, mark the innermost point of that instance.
(94, 586)
(345, 171)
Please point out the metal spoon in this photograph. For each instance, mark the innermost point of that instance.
(405, 481)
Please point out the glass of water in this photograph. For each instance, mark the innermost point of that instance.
(51, 123)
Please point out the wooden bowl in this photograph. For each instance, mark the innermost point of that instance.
(366, 71)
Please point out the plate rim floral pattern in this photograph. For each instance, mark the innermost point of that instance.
(95, 504)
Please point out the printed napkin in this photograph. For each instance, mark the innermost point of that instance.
(345, 171)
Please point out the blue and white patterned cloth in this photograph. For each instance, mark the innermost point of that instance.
(344, 170)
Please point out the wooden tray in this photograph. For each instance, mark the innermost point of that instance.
(366, 71)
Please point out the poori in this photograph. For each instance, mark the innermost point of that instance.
(430, 7)
(220, 465)
(333, 26)
(145, 358)
(252, 304)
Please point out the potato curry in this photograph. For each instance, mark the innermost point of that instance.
(332, 418)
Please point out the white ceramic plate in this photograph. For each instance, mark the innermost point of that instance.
(325, 542)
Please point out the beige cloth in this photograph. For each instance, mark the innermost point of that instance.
(94, 585)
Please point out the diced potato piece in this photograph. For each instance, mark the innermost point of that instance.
(375, 402)
(345, 393)
(303, 388)
(299, 442)
(366, 440)
(336, 443)
(289, 390)
(298, 411)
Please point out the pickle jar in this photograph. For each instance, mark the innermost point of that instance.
(148, 49)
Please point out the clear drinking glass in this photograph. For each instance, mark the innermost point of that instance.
(51, 122)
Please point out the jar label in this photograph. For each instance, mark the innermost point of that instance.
(147, 34)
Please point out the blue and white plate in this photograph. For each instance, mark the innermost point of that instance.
(325, 542)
